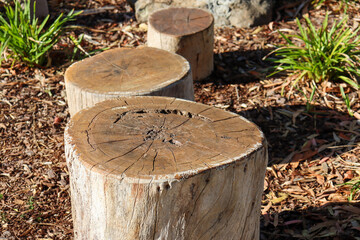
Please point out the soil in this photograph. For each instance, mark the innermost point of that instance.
(313, 151)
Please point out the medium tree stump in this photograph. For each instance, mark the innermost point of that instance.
(164, 168)
(127, 72)
(188, 32)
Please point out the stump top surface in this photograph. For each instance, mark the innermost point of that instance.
(125, 71)
(158, 138)
(181, 21)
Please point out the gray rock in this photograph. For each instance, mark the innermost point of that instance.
(239, 13)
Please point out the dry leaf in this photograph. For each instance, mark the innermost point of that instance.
(19, 202)
(320, 179)
(348, 175)
(282, 197)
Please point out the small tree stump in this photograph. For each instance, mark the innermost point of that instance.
(188, 32)
(164, 168)
(127, 72)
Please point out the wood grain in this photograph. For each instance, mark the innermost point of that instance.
(126, 72)
(181, 21)
(141, 163)
(188, 32)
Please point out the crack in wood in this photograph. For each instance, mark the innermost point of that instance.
(197, 59)
(233, 182)
(201, 192)
(88, 139)
(156, 218)
(117, 66)
(142, 168)
(156, 153)
(165, 111)
(232, 138)
(174, 158)
(219, 195)
(239, 131)
(195, 18)
(112, 141)
(181, 124)
(174, 99)
(161, 133)
(135, 200)
(225, 119)
(112, 159)
(132, 164)
(127, 134)
(97, 114)
(192, 116)
(201, 199)
(120, 116)
(207, 148)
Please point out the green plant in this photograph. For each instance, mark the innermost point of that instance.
(48, 91)
(3, 216)
(31, 203)
(346, 100)
(317, 3)
(324, 54)
(77, 47)
(343, 4)
(310, 99)
(27, 40)
(355, 187)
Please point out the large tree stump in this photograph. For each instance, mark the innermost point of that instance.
(127, 72)
(188, 32)
(164, 168)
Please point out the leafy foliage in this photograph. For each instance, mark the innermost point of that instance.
(78, 55)
(355, 187)
(27, 40)
(324, 54)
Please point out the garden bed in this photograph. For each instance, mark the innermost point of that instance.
(311, 154)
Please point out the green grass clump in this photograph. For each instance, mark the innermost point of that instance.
(28, 40)
(355, 188)
(330, 53)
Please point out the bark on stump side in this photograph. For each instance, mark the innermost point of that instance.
(127, 72)
(188, 32)
(164, 168)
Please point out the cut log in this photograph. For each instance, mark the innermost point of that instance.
(188, 32)
(127, 72)
(164, 168)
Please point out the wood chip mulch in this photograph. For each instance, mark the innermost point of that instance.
(312, 154)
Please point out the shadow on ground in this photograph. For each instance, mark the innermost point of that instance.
(336, 220)
(239, 67)
(311, 156)
(291, 128)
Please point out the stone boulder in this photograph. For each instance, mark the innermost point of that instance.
(239, 13)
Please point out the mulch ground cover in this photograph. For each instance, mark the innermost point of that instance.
(312, 154)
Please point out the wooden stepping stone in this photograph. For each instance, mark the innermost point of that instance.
(188, 32)
(127, 72)
(164, 168)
